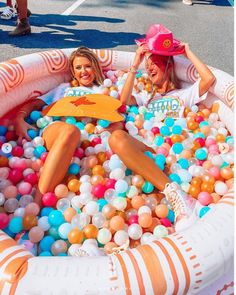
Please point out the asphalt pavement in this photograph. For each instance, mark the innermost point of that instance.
(208, 26)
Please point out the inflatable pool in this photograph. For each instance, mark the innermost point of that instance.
(198, 260)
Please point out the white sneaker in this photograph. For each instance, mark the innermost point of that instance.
(8, 13)
(188, 2)
(182, 205)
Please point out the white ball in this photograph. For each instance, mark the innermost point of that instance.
(19, 212)
(217, 160)
(104, 236)
(121, 237)
(85, 187)
(221, 188)
(107, 83)
(75, 203)
(144, 209)
(73, 249)
(38, 140)
(135, 231)
(85, 178)
(43, 223)
(119, 203)
(2, 199)
(91, 208)
(145, 237)
(27, 171)
(117, 173)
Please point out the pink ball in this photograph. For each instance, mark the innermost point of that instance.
(98, 190)
(4, 172)
(24, 188)
(162, 151)
(199, 119)
(214, 171)
(200, 141)
(10, 192)
(155, 130)
(169, 141)
(95, 141)
(15, 176)
(36, 165)
(49, 200)
(205, 198)
(4, 220)
(32, 209)
(79, 152)
(110, 183)
(209, 141)
(166, 222)
(213, 149)
(36, 234)
(133, 219)
(32, 178)
(43, 157)
(21, 164)
(17, 151)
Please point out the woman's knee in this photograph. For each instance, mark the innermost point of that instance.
(117, 140)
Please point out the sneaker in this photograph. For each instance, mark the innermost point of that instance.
(8, 13)
(188, 2)
(22, 28)
(182, 205)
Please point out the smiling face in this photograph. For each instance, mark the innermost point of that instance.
(156, 70)
(84, 72)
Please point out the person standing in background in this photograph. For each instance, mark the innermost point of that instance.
(9, 11)
(23, 26)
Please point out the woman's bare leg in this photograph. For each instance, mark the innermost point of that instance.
(131, 152)
(61, 139)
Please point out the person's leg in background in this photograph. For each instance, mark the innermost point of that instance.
(23, 26)
(8, 11)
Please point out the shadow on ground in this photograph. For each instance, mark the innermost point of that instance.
(64, 32)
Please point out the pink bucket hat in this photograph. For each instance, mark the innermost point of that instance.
(160, 41)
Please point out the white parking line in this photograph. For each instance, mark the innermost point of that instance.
(69, 10)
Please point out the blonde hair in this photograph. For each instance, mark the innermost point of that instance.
(168, 62)
(92, 57)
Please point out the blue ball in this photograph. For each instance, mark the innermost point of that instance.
(56, 218)
(39, 150)
(183, 163)
(80, 125)
(199, 134)
(32, 133)
(148, 116)
(171, 215)
(175, 178)
(160, 159)
(62, 254)
(3, 130)
(129, 119)
(128, 172)
(147, 187)
(133, 109)
(46, 243)
(203, 211)
(35, 115)
(159, 140)
(46, 211)
(9, 232)
(71, 120)
(103, 123)
(164, 130)
(177, 129)
(45, 253)
(201, 154)
(169, 122)
(101, 203)
(15, 224)
(74, 168)
(203, 123)
(177, 148)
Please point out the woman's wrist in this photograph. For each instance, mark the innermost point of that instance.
(133, 69)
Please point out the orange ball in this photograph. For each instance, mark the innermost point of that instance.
(186, 154)
(208, 178)
(148, 87)
(137, 180)
(90, 231)
(69, 213)
(194, 191)
(139, 123)
(61, 190)
(106, 91)
(205, 130)
(192, 125)
(155, 222)
(96, 179)
(220, 137)
(89, 128)
(117, 223)
(196, 181)
(206, 113)
(102, 157)
(75, 236)
(137, 202)
(3, 161)
(207, 187)
(145, 220)
(98, 170)
(108, 211)
(207, 164)
(85, 143)
(141, 79)
(161, 211)
(74, 185)
(29, 221)
(91, 161)
(226, 173)
(186, 111)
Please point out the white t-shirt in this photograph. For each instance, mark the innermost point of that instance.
(64, 89)
(173, 102)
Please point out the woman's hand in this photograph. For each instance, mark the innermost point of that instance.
(21, 128)
(187, 49)
(139, 56)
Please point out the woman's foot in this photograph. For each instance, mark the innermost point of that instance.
(8, 13)
(22, 28)
(183, 206)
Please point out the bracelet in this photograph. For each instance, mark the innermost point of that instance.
(133, 70)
